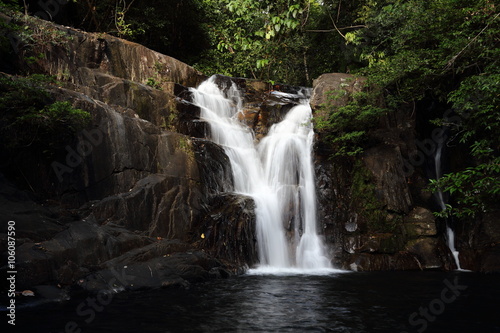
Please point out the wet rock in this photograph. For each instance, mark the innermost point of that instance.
(429, 252)
(33, 222)
(374, 243)
(250, 116)
(154, 205)
(386, 164)
(162, 264)
(63, 259)
(216, 174)
(51, 292)
(490, 262)
(420, 222)
(368, 203)
(228, 229)
(188, 120)
(369, 262)
(479, 243)
(76, 49)
(110, 257)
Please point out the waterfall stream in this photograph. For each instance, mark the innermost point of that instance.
(277, 173)
(450, 234)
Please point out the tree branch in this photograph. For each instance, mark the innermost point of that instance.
(452, 60)
(335, 26)
(342, 28)
(338, 11)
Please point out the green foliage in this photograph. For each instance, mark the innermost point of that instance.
(477, 188)
(348, 119)
(259, 39)
(42, 79)
(153, 83)
(30, 119)
(477, 102)
(123, 28)
(446, 51)
(18, 95)
(415, 46)
(30, 39)
(10, 5)
(55, 117)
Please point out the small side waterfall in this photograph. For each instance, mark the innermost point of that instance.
(450, 234)
(277, 173)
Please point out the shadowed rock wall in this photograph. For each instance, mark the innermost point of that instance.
(128, 190)
(375, 211)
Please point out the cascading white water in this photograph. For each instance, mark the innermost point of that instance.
(450, 234)
(286, 155)
(277, 174)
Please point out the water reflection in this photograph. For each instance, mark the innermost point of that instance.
(296, 303)
(354, 303)
(277, 301)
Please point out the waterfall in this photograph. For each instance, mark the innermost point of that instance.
(450, 234)
(277, 173)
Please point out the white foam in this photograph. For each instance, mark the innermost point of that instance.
(291, 271)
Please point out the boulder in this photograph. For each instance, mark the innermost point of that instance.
(478, 242)
(420, 222)
(228, 230)
(386, 164)
(329, 83)
(165, 263)
(79, 57)
(431, 252)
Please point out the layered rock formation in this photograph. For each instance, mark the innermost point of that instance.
(374, 208)
(140, 187)
(128, 190)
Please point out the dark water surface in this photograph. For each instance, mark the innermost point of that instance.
(348, 302)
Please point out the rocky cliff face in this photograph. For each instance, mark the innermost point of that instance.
(140, 187)
(374, 209)
(129, 189)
